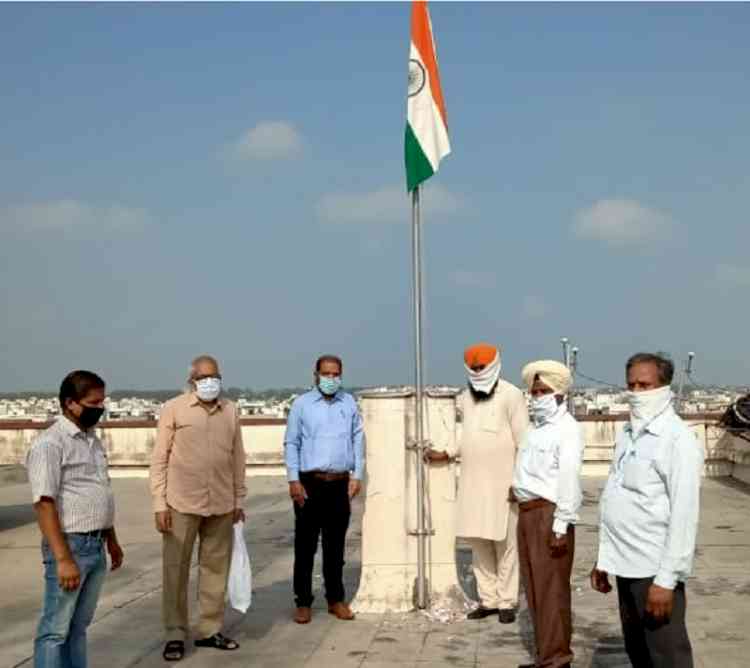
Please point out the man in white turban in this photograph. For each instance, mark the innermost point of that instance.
(495, 418)
(546, 484)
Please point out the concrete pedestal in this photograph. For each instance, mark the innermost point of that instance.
(389, 551)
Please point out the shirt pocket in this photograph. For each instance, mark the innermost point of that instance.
(489, 419)
(98, 466)
(78, 462)
(222, 434)
(544, 455)
(637, 474)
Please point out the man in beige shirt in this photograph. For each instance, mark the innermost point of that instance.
(198, 489)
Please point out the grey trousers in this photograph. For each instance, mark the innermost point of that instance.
(651, 645)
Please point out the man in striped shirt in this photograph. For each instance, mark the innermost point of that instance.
(74, 504)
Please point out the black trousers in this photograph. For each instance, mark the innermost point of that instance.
(326, 511)
(648, 644)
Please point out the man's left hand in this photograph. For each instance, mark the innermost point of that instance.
(115, 553)
(659, 603)
(355, 486)
(239, 516)
(558, 546)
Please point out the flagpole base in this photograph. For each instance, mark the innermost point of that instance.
(389, 577)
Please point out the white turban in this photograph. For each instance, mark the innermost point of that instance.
(552, 373)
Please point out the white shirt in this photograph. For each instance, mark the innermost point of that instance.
(650, 504)
(548, 466)
(70, 466)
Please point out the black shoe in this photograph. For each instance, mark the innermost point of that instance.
(506, 615)
(218, 641)
(481, 613)
(527, 665)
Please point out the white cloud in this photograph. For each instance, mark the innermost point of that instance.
(69, 214)
(533, 308)
(269, 140)
(622, 222)
(390, 204)
(734, 275)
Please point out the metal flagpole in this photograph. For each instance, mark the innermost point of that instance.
(419, 398)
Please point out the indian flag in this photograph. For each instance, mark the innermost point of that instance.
(426, 121)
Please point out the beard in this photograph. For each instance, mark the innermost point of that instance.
(478, 395)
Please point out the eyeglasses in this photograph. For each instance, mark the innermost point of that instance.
(203, 376)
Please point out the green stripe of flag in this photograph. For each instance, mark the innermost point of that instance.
(418, 167)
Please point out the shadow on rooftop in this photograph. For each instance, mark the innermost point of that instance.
(609, 652)
(16, 516)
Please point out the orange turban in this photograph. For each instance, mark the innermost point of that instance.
(480, 354)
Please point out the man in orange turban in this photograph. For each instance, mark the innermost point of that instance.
(494, 421)
(480, 354)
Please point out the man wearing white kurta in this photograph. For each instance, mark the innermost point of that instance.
(495, 418)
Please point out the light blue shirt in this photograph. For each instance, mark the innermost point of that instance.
(324, 436)
(548, 466)
(650, 504)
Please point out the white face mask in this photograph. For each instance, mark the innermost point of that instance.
(484, 380)
(645, 406)
(208, 389)
(543, 407)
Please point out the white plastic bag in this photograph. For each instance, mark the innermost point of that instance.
(240, 583)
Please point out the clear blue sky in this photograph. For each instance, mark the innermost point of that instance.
(178, 179)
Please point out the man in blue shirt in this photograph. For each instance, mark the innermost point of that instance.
(324, 452)
(649, 519)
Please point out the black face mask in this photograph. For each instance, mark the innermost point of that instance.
(479, 395)
(90, 416)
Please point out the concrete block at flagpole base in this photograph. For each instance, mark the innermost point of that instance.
(445, 590)
(389, 552)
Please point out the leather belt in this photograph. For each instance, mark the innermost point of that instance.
(98, 533)
(533, 504)
(325, 476)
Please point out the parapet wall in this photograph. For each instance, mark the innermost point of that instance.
(129, 444)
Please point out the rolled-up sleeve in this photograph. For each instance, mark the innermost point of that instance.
(569, 495)
(44, 466)
(160, 458)
(358, 443)
(293, 442)
(682, 476)
(240, 486)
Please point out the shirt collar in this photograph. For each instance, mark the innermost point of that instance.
(71, 428)
(319, 396)
(194, 401)
(657, 425)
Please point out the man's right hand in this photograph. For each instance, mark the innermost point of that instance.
(163, 521)
(600, 581)
(435, 456)
(297, 492)
(68, 575)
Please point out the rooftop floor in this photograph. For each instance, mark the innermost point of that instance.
(126, 631)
